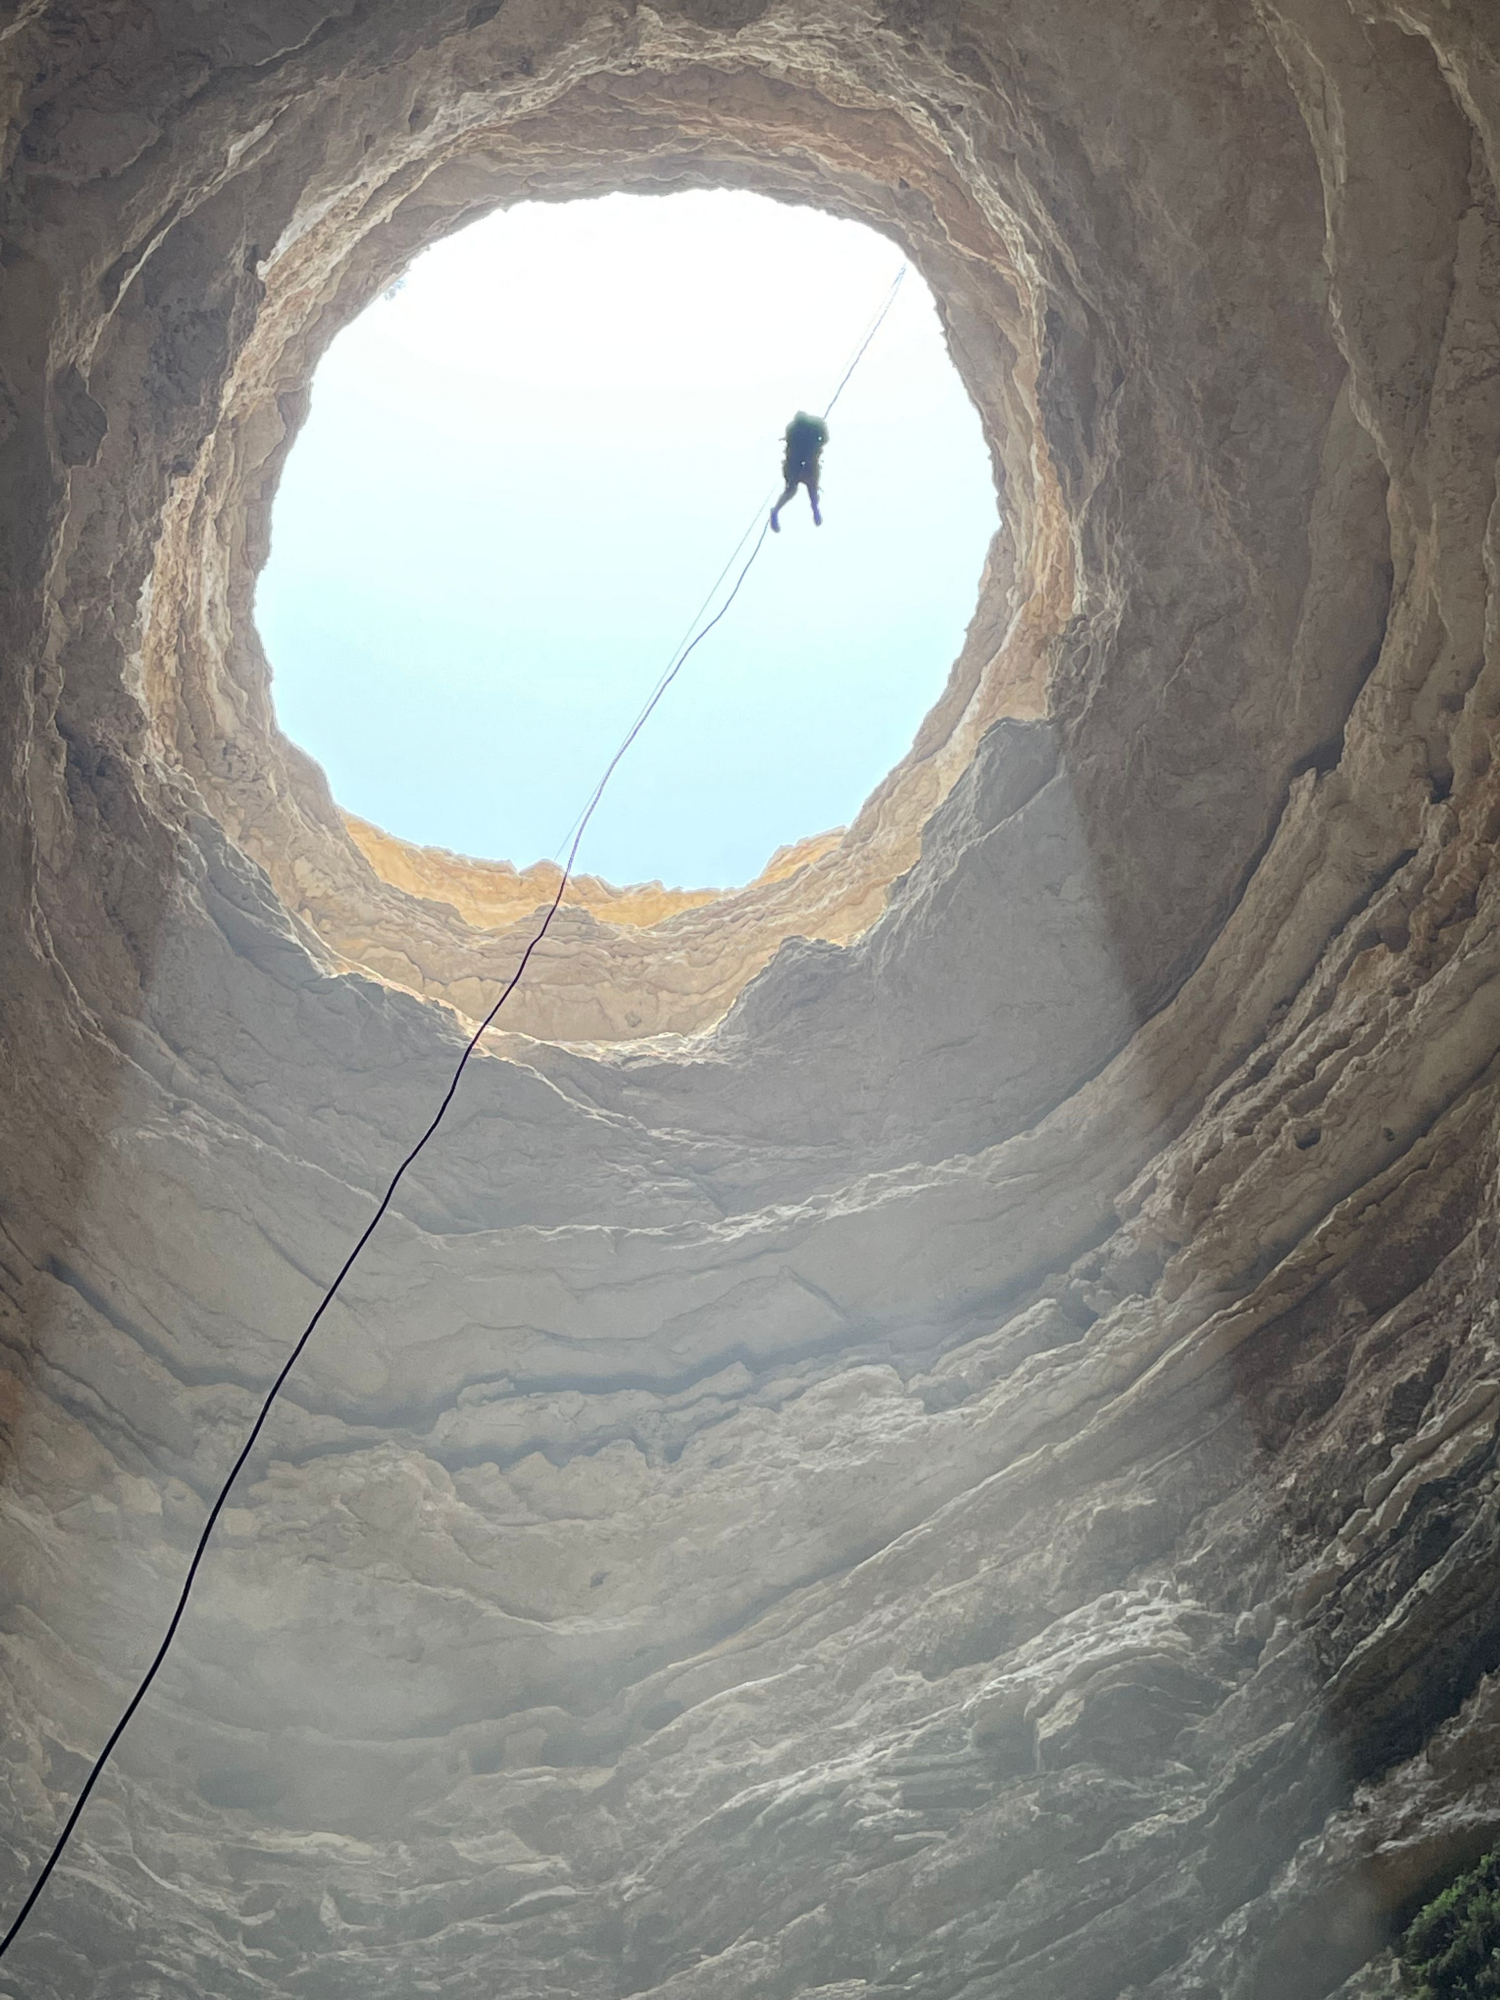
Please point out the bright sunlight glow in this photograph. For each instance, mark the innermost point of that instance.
(521, 472)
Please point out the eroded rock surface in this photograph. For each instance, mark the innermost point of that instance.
(927, 1428)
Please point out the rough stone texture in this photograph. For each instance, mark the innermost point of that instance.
(975, 1475)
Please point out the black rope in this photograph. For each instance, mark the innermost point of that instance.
(875, 326)
(61, 1843)
(678, 662)
(677, 656)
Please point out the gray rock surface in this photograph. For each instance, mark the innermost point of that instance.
(928, 1428)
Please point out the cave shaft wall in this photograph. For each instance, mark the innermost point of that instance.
(930, 1425)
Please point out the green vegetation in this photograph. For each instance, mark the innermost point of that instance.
(1452, 1950)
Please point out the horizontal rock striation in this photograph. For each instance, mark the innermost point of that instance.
(927, 1427)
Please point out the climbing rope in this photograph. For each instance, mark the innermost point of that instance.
(687, 642)
(874, 327)
(691, 640)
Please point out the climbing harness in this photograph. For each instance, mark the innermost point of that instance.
(692, 638)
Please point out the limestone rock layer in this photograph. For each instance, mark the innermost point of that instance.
(926, 1428)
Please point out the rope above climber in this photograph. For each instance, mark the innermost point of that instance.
(805, 439)
(800, 466)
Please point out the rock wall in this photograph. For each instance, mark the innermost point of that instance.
(927, 1428)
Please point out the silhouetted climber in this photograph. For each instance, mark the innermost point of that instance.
(805, 439)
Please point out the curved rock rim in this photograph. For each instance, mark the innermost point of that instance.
(625, 963)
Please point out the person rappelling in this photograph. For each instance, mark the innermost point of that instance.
(805, 439)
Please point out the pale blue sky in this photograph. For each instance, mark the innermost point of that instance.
(522, 472)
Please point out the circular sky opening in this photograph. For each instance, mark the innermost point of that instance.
(522, 470)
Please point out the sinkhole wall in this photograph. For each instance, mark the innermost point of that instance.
(929, 1426)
